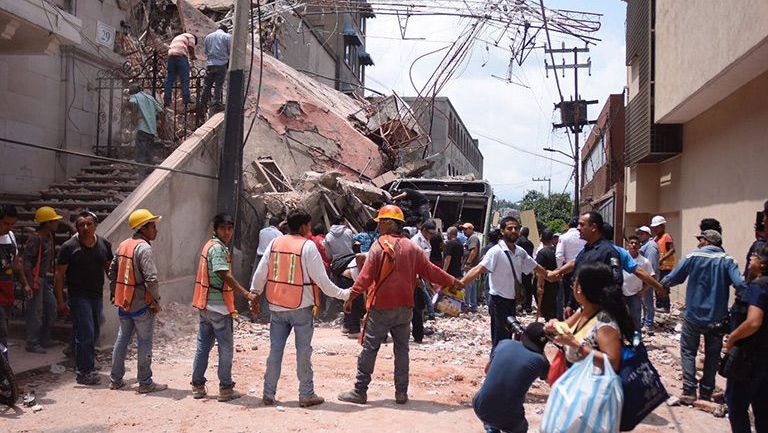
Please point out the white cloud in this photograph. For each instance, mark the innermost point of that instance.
(511, 113)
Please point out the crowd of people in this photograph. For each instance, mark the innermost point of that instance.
(595, 298)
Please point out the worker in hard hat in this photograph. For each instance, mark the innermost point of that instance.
(290, 273)
(134, 291)
(38, 261)
(82, 263)
(388, 278)
(214, 297)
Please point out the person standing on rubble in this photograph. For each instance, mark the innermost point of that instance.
(146, 109)
(290, 273)
(82, 263)
(388, 278)
(339, 240)
(506, 262)
(421, 296)
(181, 51)
(471, 256)
(367, 237)
(419, 204)
(214, 297)
(217, 49)
(135, 292)
(38, 259)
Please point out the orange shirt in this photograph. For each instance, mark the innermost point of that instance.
(663, 240)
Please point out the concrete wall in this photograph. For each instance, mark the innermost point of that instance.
(50, 100)
(720, 173)
(303, 51)
(705, 50)
(186, 203)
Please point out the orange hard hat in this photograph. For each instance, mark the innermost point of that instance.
(390, 212)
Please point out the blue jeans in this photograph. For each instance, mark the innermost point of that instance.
(143, 326)
(470, 295)
(40, 314)
(280, 325)
(635, 305)
(689, 346)
(178, 67)
(86, 314)
(649, 308)
(144, 152)
(214, 327)
(740, 395)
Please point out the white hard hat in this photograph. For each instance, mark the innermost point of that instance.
(658, 220)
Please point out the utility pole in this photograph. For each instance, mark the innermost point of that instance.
(545, 179)
(231, 163)
(573, 113)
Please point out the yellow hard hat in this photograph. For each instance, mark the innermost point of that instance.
(139, 217)
(45, 214)
(390, 212)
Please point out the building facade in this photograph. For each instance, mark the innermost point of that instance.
(697, 117)
(327, 44)
(453, 150)
(602, 165)
(50, 54)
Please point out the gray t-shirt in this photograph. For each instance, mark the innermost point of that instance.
(473, 242)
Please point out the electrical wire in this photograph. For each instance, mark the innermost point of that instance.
(261, 74)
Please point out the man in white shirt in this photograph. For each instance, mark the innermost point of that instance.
(568, 247)
(267, 235)
(290, 272)
(421, 295)
(633, 289)
(506, 262)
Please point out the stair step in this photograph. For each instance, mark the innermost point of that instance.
(108, 170)
(79, 195)
(90, 205)
(100, 186)
(104, 178)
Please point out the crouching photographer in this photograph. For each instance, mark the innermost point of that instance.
(513, 368)
(747, 354)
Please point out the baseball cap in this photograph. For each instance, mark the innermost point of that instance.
(710, 235)
(645, 229)
(468, 226)
(658, 220)
(534, 338)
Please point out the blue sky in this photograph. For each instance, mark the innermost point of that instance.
(515, 115)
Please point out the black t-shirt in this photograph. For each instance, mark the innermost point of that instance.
(85, 266)
(455, 250)
(525, 244)
(757, 295)
(513, 370)
(601, 251)
(436, 255)
(415, 197)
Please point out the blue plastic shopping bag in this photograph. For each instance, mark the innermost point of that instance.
(582, 401)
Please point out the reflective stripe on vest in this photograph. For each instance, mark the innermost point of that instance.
(285, 275)
(125, 280)
(203, 284)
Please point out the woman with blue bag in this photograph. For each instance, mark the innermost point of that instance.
(588, 397)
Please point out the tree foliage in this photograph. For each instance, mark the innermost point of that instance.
(551, 212)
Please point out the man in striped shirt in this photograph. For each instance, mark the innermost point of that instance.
(181, 51)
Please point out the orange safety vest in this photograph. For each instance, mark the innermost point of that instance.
(285, 275)
(203, 285)
(125, 281)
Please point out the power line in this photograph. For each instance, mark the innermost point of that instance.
(520, 149)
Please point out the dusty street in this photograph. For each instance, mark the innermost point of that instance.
(445, 372)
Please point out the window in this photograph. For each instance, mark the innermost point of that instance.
(349, 53)
(606, 211)
(595, 159)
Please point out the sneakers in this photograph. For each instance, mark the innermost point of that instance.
(152, 387)
(199, 392)
(401, 397)
(114, 386)
(688, 398)
(36, 348)
(354, 396)
(89, 379)
(228, 394)
(706, 396)
(312, 400)
(268, 401)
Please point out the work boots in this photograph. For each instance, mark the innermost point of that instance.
(354, 396)
(228, 394)
(152, 387)
(401, 397)
(199, 392)
(312, 400)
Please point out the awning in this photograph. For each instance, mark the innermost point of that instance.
(364, 58)
(351, 35)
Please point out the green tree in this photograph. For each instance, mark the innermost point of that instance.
(551, 212)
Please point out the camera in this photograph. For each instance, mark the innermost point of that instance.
(515, 327)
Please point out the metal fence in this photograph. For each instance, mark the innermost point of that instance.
(113, 125)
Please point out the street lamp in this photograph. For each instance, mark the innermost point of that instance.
(575, 159)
